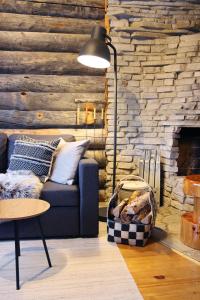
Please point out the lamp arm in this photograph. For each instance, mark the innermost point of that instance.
(115, 115)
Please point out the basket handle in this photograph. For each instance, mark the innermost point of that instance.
(135, 178)
(132, 177)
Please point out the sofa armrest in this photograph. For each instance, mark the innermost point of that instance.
(89, 196)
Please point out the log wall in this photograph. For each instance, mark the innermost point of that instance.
(39, 72)
(42, 85)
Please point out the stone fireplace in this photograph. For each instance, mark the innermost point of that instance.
(184, 157)
(158, 45)
(189, 151)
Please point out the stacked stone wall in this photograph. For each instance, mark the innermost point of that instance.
(158, 84)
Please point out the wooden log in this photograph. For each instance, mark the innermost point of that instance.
(98, 155)
(91, 3)
(38, 119)
(97, 143)
(34, 23)
(102, 195)
(51, 9)
(102, 178)
(18, 62)
(190, 231)
(52, 101)
(79, 133)
(52, 83)
(35, 41)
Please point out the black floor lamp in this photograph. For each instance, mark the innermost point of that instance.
(96, 54)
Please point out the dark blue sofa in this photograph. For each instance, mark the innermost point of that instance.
(74, 209)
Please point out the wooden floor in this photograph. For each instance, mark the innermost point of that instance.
(161, 273)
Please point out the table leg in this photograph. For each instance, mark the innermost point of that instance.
(17, 253)
(44, 242)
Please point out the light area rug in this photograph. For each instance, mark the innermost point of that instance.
(83, 269)
(167, 232)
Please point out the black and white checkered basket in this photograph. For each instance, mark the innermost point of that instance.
(134, 234)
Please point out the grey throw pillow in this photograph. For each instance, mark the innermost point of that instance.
(33, 155)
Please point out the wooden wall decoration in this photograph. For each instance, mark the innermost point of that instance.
(41, 83)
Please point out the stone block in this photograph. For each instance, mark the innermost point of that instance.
(167, 95)
(182, 88)
(149, 76)
(149, 89)
(145, 83)
(123, 123)
(130, 70)
(174, 68)
(193, 67)
(180, 206)
(155, 63)
(133, 83)
(168, 82)
(190, 38)
(192, 55)
(158, 83)
(164, 89)
(183, 60)
(126, 165)
(119, 23)
(149, 95)
(137, 77)
(187, 49)
(183, 75)
(197, 74)
(131, 135)
(134, 64)
(184, 94)
(158, 48)
(143, 48)
(173, 46)
(165, 75)
(125, 158)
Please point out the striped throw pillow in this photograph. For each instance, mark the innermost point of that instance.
(33, 155)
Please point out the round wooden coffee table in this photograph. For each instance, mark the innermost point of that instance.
(18, 209)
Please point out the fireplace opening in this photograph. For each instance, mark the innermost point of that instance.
(189, 151)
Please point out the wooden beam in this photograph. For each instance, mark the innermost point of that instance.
(34, 23)
(21, 62)
(42, 41)
(52, 83)
(80, 133)
(90, 3)
(52, 101)
(99, 156)
(51, 9)
(96, 136)
(39, 119)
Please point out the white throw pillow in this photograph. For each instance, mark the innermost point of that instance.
(67, 160)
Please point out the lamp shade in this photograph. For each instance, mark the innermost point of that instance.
(95, 53)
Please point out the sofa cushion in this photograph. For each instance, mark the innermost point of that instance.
(3, 152)
(12, 138)
(67, 160)
(60, 194)
(33, 155)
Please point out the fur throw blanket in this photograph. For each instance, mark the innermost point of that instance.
(20, 184)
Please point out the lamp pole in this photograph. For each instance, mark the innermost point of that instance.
(115, 114)
(96, 54)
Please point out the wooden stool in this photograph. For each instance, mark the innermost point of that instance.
(190, 222)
